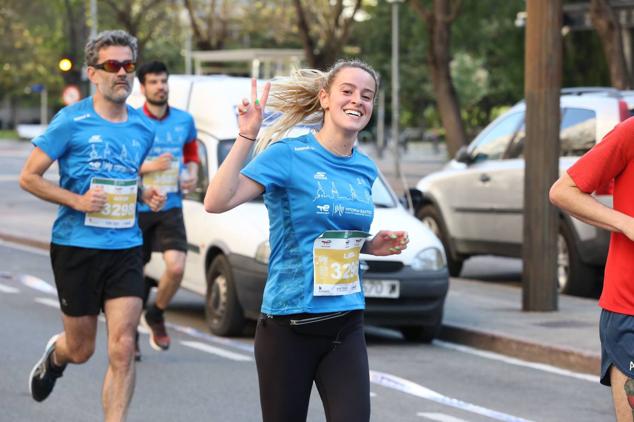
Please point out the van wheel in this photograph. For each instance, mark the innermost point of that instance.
(573, 276)
(222, 310)
(430, 216)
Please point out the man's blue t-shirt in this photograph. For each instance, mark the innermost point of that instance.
(309, 190)
(173, 131)
(86, 146)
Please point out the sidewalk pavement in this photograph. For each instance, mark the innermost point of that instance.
(483, 315)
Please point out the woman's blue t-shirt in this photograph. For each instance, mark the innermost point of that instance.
(309, 190)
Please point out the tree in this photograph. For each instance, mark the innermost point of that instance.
(210, 26)
(438, 22)
(609, 30)
(141, 18)
(324, 29)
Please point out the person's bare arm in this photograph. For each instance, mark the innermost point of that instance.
(566, 195)
(229, 188)
(162, 162)
(32, 180)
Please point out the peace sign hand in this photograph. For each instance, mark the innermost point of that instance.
(250, 114)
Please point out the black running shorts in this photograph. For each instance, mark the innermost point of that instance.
(86, 278)
(162, 231)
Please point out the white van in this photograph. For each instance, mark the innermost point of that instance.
(228, 253)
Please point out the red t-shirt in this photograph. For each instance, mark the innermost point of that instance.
(613, 158)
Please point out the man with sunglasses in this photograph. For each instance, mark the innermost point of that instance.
(99, 144)
(172, 166)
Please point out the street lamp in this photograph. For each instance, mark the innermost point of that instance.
(395, 96)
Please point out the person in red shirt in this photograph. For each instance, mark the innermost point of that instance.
(610, 161)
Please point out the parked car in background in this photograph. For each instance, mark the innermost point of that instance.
(228, 253)
(475, 203)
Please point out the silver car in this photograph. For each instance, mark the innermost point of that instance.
(475, 203)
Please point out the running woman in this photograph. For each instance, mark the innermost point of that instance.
(318, 192)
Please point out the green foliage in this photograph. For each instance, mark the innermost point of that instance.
(26, 41)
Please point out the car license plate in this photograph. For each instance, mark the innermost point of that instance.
(382, 288)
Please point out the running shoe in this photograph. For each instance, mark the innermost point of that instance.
(43, 375)
(159, 340)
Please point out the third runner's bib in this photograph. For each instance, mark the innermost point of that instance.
(166, 180)
(119, 210)
(336, 262)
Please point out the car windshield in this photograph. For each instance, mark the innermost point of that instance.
(382, 195)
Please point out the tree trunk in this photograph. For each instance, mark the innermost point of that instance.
(609, 31)
(439, 26)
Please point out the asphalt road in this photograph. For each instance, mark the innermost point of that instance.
(207, 378)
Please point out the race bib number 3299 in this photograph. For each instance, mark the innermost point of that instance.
(119, 210)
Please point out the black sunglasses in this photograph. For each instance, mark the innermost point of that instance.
(113, 66)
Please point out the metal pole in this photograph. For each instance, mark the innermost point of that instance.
(380, 124)
(395, 88)
(93, 31)
(188, 53)
(44, 107)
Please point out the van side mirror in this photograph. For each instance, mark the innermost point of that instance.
(462, 155)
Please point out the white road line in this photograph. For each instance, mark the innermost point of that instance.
(37, 284)
(8, 289)
(224, 341)
(16, 177)
(440, 417)
(517, 362)
(47, 301)
(217, 351)
(408, 387)
(24, 248)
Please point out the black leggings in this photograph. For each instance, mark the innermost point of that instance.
(331, 352)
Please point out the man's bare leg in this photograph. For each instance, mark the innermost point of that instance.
(76, 343)
(620, 384)
(171, 279)
(122, 317)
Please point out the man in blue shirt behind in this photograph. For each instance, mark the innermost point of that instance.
(99, 144)
(172, 167)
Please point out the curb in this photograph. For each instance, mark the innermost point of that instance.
(26, 241)
(561, 357)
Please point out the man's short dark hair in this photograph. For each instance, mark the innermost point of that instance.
(151, 67)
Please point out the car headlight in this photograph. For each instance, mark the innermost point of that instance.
(430, 259)
(263, 252)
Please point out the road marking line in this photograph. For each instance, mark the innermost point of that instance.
(517, 362)
(441, 417)
(37, 284)
(192, 332)
(8, 289)
(16, 177)
(24, 248)
(217, 351)
(47, 301)
(408, 387)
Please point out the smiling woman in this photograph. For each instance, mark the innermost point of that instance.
(318, 192)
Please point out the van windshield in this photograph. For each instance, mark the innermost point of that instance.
(382, 195)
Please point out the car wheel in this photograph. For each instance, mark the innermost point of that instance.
(573, 276)
(430, 216)
(420, 333)
(222, 310)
